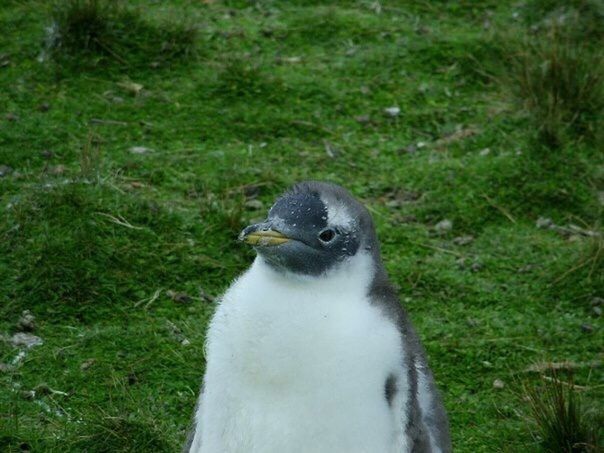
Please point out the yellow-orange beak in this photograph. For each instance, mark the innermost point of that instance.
(264, 238)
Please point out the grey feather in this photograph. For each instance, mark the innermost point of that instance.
(421, 425)
(433, 422)
(192, 427)
(427, 426)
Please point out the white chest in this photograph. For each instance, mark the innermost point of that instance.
(294, 366)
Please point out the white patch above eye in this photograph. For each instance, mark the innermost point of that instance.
(337, 213)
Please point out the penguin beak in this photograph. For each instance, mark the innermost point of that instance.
(262, 235)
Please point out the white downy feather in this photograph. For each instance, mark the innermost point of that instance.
(298, 364)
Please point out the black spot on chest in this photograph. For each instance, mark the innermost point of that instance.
(390, 389)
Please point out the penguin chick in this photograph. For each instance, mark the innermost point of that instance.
(310, 350)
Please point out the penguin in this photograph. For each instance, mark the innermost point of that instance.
(310, 350)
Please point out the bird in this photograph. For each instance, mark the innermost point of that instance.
(310, 350)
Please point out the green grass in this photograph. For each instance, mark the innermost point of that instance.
(92, 34)
(242, 102)
(560, 418)
(560, 82)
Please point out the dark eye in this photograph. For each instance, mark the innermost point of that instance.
(327, 235)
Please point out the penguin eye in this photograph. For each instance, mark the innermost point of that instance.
(327, 235)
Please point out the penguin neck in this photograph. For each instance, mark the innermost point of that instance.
(353, 276)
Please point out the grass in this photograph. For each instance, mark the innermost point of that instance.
(583, 17)
(90, 34)
(562, 425)
(561, 84)
(557, 70)
(118, 254)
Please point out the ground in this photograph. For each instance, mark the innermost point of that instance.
(125, 180)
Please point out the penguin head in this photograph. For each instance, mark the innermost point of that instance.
(313, 228)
